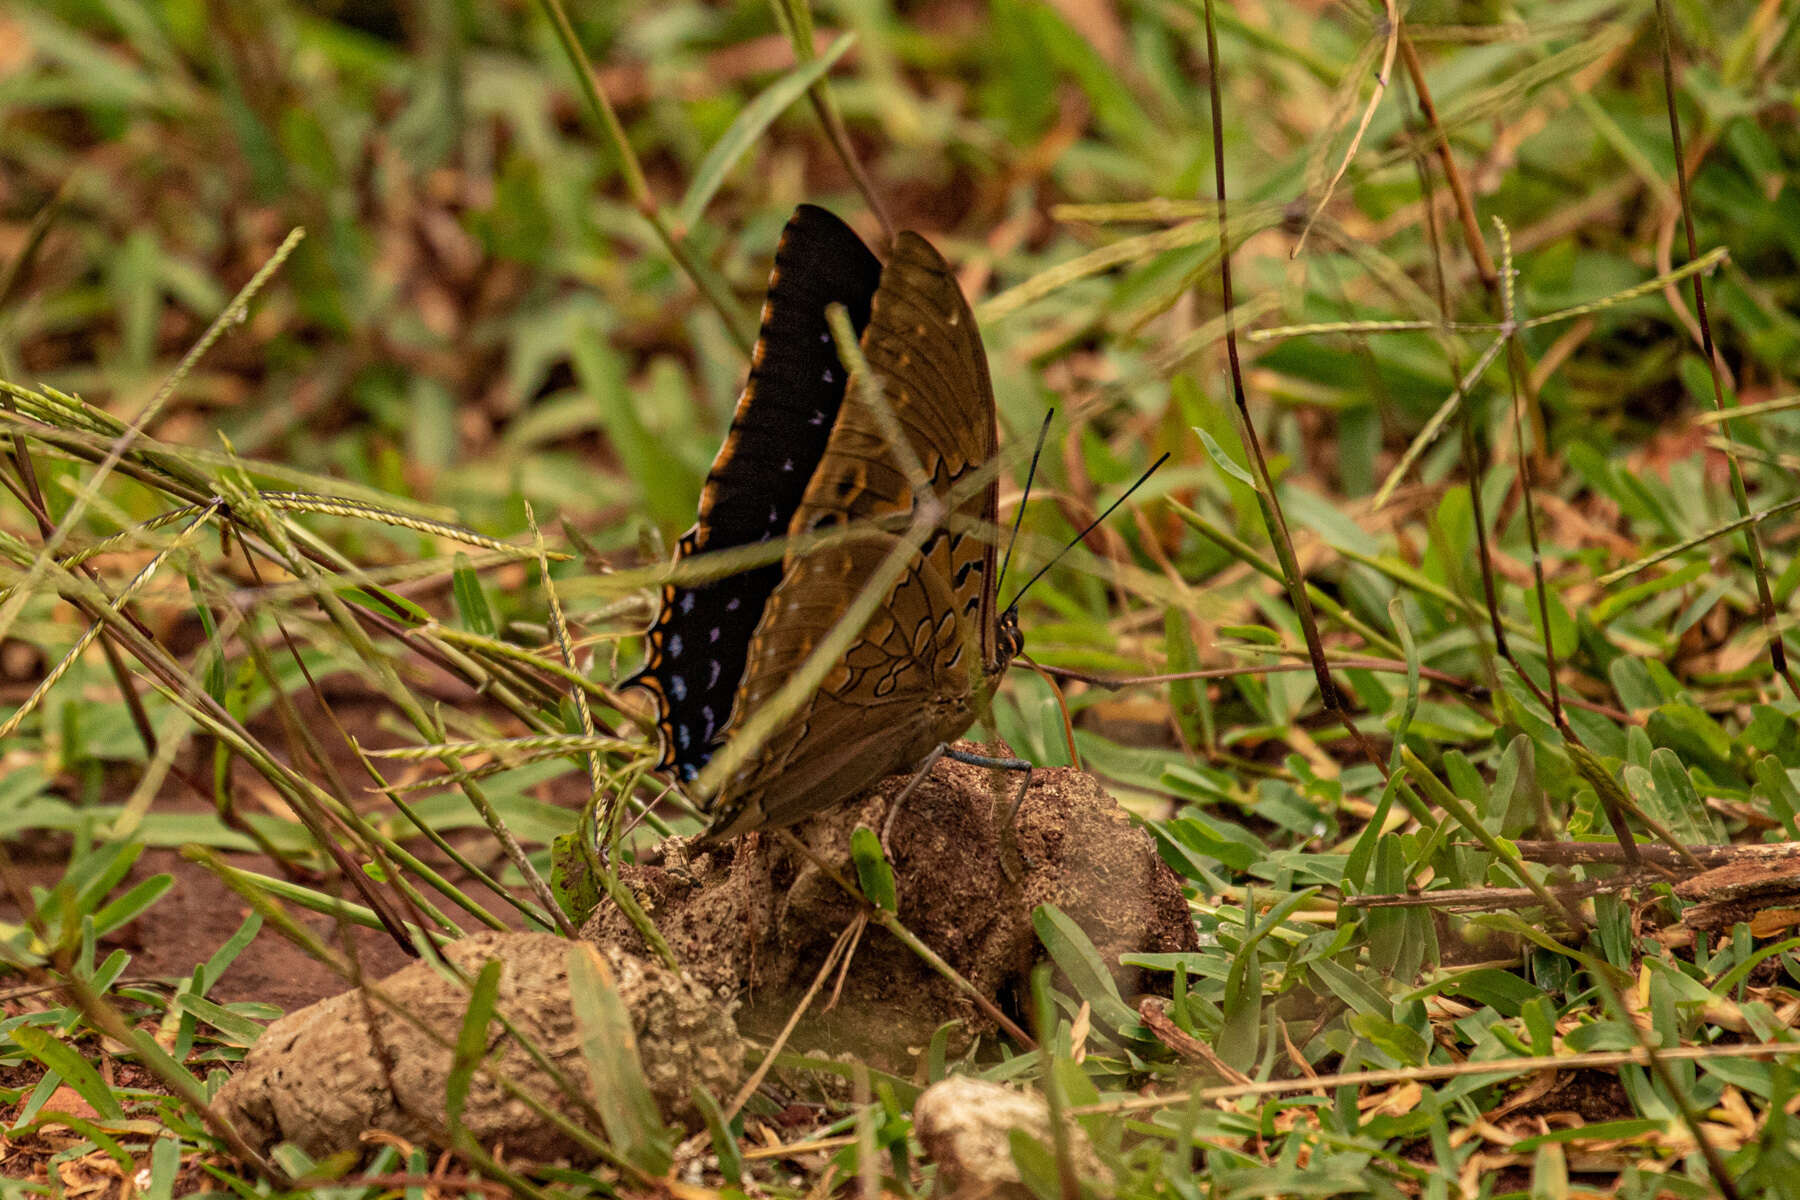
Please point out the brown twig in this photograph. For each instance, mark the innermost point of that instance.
(1186, 1046)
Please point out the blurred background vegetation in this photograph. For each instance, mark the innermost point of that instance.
(480, 318)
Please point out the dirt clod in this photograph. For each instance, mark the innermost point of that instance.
(751, 923)
(966, 1128)
(755, 920)
(319, 1079)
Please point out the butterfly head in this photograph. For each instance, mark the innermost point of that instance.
(1009, 640)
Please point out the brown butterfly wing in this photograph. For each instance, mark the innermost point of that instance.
(903, 687)
(909, 681)
(922, 343)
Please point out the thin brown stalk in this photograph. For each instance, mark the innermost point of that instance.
(1527, 480)
(1473, 242)
(851, 934)
(1276, 521)
(606, 825)
(1657, 1063)
(1391, 24)
(1752, 539)
(1500, 1067)
(1466, 417)
(891, 922)
(795, 18)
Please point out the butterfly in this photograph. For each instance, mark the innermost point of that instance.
(806, 453)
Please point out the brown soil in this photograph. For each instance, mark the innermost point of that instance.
(325, 1076)
(751, 922)
(756, 920)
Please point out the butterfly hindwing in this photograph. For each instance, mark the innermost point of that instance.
(902, 687)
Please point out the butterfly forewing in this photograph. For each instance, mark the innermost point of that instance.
(784, 418)
(908, 681)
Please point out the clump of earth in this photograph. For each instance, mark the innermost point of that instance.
(752, 923)
(755, 919)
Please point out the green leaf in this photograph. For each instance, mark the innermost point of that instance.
(238, 1031)
(75, 1070)
(1240, 1034)
(1350, 987)
(471, 1042)
(1075, 955)
(95, 874)
(228, 951)
(1679, 801)
(904, 1089)
(1224, 461)
(751, 121)
(654, 466)
(1613, 796)
(471, 603)
(165, 1161)
(621, 1094)
(1777, 790)
(1563, 631)
(572, 879)
(385, 603)
(1694, 735)
(1503, 991)
(1188, 699)
(1403, 723)
(1405, 1044)
(873, 874)
(131, 905)
(1036, 1163)
(1362, 854)
(725, 1143)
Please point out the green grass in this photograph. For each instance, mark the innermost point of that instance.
(481, 326)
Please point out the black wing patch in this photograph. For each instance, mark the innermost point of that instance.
(698, 645)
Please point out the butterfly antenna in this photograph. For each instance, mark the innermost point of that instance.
(1019, 514)
(1092, 525)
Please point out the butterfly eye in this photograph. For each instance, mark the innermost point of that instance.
(1011, 638)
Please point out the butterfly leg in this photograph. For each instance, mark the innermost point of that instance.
(945, 750)
(893, 813)
(999, 764)
(1007, 836)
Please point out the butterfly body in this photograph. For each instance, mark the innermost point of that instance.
(923, 665)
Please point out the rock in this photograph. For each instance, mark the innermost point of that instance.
(966, 1125)
(317, 1078)
(754, 920)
